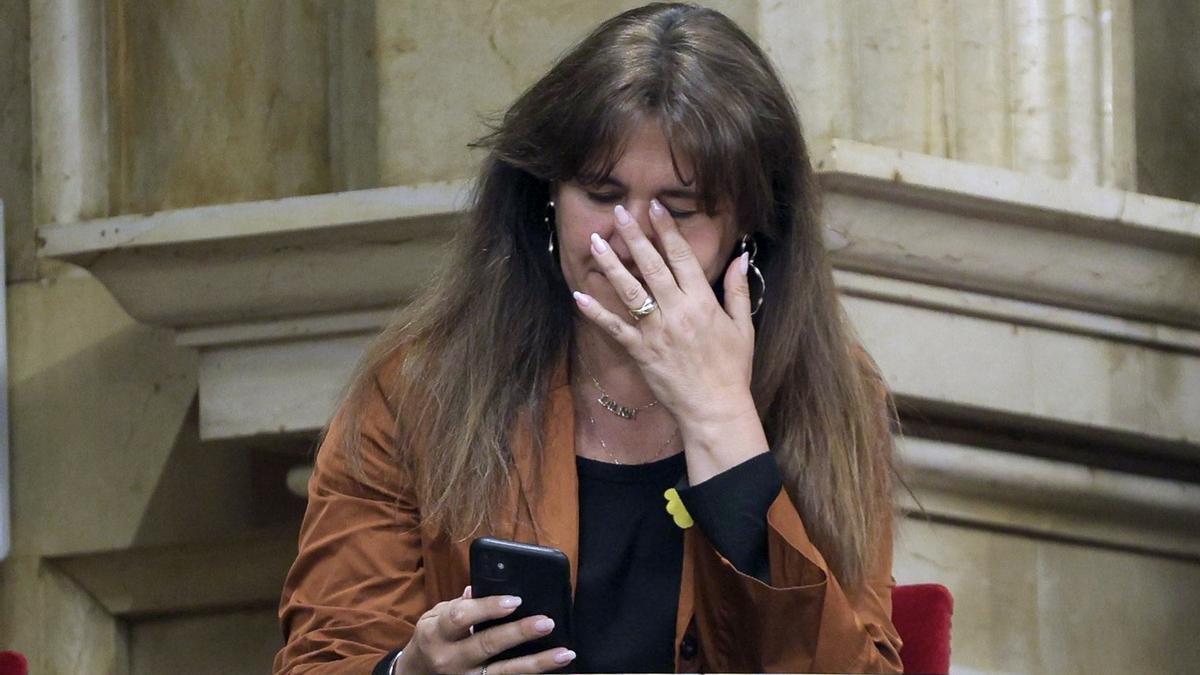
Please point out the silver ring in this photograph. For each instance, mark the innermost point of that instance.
(483, 670)
(647, 308)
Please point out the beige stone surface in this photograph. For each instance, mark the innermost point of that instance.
(1027, 605)
(1038, 374)
(70, 126)
(1035, 85)
(275, 387)
(1168, 97)
(198, 107)
(233, 643)
(205, 110)
(61, 630)
(197, 576)
(444, 65)
(353, 95)
(16, 178)
(97, 403)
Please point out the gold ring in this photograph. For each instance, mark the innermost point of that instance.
(647, 308)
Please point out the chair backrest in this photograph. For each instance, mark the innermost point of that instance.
(13, 663)
(921, 614)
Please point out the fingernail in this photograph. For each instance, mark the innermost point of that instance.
(467, 592)
(509, 601)
(544, 625)
(656, 208)
(744, 262)
(582, 298)
(598, 243)
(565, 656)
(622, 215)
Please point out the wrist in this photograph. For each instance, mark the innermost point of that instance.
(705, 424)
(403, 663)
(721, 442)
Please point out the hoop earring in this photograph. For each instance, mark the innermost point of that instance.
(749, 244)
(549, 226)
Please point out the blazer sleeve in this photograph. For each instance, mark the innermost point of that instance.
(803, 620)
(356, 588)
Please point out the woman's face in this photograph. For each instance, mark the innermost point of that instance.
(642, 173)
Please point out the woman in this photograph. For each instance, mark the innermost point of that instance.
(640, 301)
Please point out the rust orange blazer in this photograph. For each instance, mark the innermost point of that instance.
(366, 569)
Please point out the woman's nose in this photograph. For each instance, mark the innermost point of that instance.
(640, 211)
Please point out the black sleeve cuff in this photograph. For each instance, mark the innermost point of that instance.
(731, 509)
(382, 668)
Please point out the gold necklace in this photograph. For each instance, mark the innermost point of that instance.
(604, 445)
(623, 412)
(608, 402)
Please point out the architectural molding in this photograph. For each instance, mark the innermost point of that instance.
(194, 577)
(294, 257)
(1049, 498)
(1030, 495)
(891, 213)
(1009, 296)
(1013, 235)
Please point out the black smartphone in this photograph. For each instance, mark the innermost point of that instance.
(539, 575)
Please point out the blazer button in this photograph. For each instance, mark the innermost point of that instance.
(688, 647)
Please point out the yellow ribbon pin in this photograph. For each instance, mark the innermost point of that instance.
(677, 510)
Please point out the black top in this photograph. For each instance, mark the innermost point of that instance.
(631, 553)
(630, 562)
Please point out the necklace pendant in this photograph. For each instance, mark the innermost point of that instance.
(616, 408)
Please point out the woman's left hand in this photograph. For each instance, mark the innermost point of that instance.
(696, 355)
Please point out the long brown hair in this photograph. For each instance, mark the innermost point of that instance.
(480, 347)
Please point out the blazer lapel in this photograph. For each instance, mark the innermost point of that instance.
(551, 486)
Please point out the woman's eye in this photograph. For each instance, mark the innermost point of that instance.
(614, 197)
(603, 198)
(679, 214)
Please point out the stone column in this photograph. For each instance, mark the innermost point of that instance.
(1042, 86)
(70, 176)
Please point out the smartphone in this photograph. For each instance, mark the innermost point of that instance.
(539, 575)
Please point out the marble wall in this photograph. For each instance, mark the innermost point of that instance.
(444, 67)
(205, 109)
(1030, 605)
(1041, 86)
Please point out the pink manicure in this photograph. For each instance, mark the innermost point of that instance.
(598, 243)
(622, 215)
(582, 298)
(656, 208)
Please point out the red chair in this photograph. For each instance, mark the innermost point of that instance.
(13, 663)
(921, 614)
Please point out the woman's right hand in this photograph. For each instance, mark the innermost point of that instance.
(443, 641)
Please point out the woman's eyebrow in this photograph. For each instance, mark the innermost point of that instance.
(679, 192)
